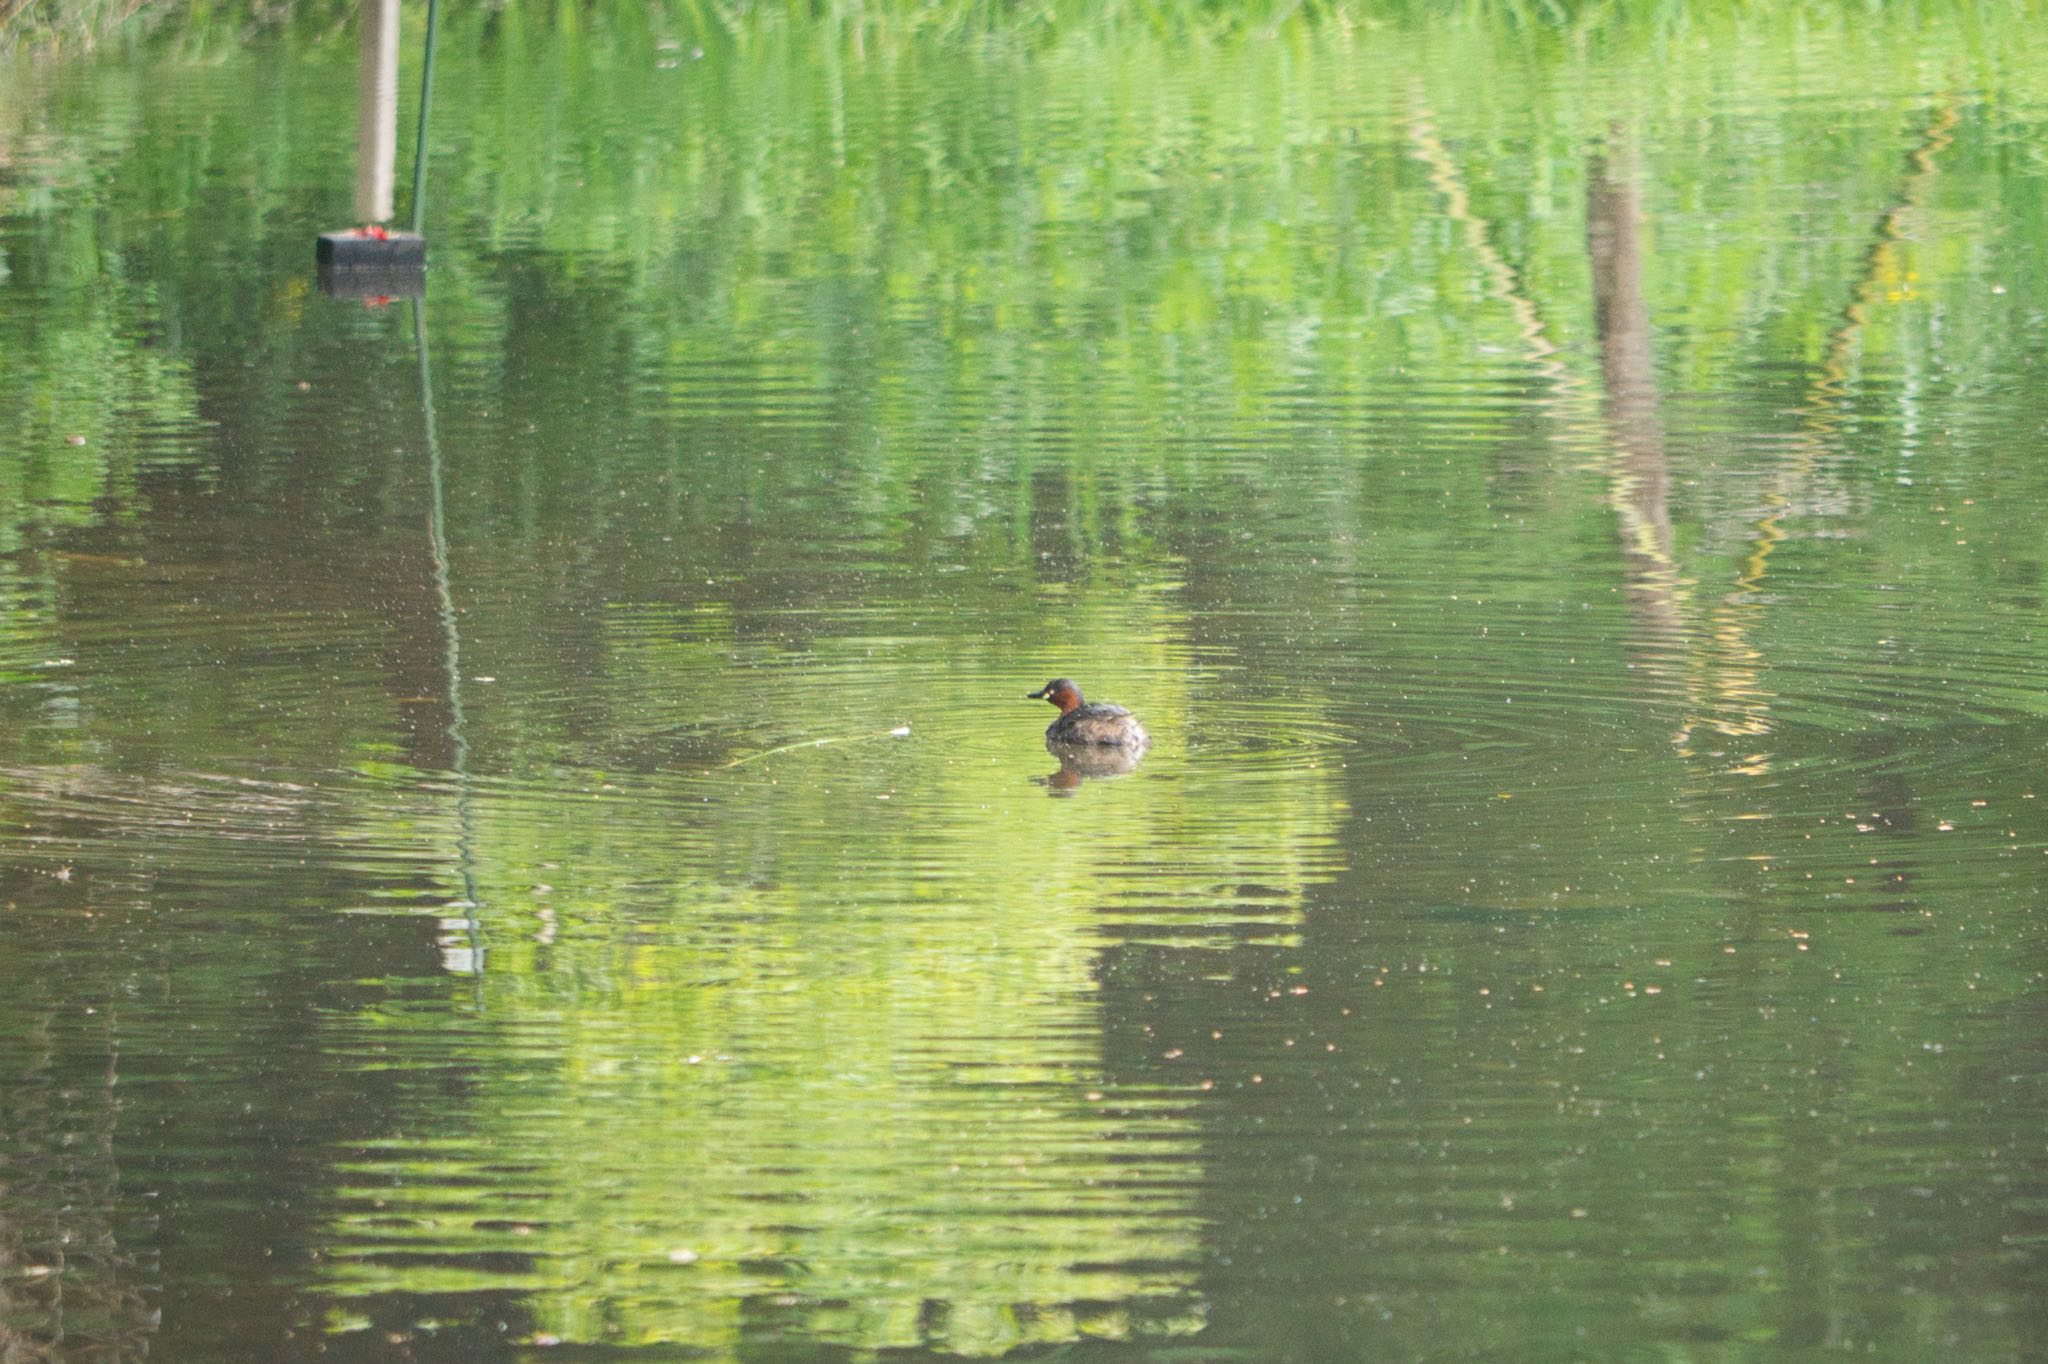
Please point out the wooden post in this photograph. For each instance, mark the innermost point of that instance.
(368, 260)
(377, 112)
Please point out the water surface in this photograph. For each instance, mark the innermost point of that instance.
(520, 832)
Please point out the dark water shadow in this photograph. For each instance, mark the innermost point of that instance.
(1082, 763)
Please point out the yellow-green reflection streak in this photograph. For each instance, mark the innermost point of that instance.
(1744, 700)
(824, 1028)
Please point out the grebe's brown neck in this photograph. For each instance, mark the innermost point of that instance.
(1060, 692)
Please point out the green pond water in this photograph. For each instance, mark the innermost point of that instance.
(521, 836)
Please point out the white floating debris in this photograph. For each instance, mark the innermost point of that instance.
(900, 732)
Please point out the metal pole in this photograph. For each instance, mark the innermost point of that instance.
(419, 154)
(451, 653)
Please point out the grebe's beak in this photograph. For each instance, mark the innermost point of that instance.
(1038, 695)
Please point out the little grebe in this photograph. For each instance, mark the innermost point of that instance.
(1095, 722)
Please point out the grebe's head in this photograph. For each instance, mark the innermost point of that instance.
(1060, 692)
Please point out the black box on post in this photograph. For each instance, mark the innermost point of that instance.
(361, 249)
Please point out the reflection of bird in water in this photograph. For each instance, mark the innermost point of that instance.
(1087, 724)
(1079, 762)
